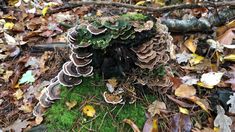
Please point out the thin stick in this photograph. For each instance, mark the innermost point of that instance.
(69, 6)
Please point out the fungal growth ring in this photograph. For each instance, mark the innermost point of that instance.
(112, 46)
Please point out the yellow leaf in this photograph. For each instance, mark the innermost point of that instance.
(38, 120)
(159, 2)
(140, 3)
(204, 85)
(18, 94)
(184, 110)
(8, 25)
(196, 59)
(44, 11)
(185, 90)
(202, 103)
(155, 125)
(88, 110)
(12, 2)
(189, 43)
(17, 85)
(230, 57)
(71, 104)
(216, 129)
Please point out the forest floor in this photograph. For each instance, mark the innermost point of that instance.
(197, 92)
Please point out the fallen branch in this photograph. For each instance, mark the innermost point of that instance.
(199, 25)
(69, 6)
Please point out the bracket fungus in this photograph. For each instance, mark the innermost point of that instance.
(111, 46)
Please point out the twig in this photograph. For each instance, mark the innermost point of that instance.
(69, 6)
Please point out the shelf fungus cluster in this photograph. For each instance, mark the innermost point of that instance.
(116, 43)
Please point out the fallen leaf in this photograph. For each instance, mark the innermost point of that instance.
(17, 126)
(200, 102)
(222, 121)
(227, 37)
(196, 59)
(211, 78)
(27, 77)
(156, 107)
(181, 123)
(151, 125)
(88, 110)
(190, 44)
(185, 90)
(8, 25)
(7, 75)
(189, 80)
(132, 124)
(183, 57)
(71, 104)
(230, 57)
(183, 110)
(18, 94)
(221, 30)
(44, 10)
(26, 108)
(231, 101)
(38, 120)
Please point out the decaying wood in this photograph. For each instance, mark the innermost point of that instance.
(199, 25)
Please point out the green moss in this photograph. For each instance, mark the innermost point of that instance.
(134, 16)
(108, 117)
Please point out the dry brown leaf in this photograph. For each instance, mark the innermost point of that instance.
(132, 124)
(185, 90)
(26, 108)
(200, 102)
(227, 37)
(38, 120)
(221, 30)
(18, 94)
(71, 104)
(7, 75)
(156, 107)
(17, 126)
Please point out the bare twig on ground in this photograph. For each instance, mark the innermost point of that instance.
(69, 6)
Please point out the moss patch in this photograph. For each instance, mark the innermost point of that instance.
(108, 117)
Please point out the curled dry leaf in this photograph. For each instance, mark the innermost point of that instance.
(132, 124)
(185, 90)
(156, 107)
